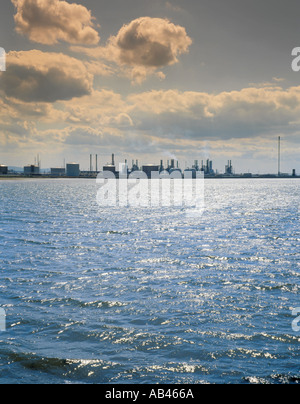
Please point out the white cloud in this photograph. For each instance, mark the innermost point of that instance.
(50, 21)
(150, 42)
(236, 114)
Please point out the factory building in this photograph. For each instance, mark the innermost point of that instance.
(170, 165)
(32, 170)
(229, 168)
(3, 170)
(196, 165)
(172, 169)
(73, 170)
(149, 168)
(175, 170)
(58, 172)
(135, 166)
(161, 167)
(208, 168)
(111, 167)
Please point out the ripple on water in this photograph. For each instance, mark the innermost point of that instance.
(149, 296)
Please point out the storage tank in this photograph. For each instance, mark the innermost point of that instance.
(3, 169)
(73, 170)
(32, 170)
(149, 168)
(58, 172)
(110, 167)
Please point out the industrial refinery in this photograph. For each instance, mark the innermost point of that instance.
(123, 168)
(73, 170)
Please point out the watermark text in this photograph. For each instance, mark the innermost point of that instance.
(2, 60)
(162, 189)
(296, 321)
(2, 320)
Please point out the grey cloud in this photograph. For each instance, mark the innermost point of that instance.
(84, 136)
(35, 76)
(50, 87)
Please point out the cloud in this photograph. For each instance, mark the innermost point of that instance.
(83, 136)
(99, 108)
(247, 113)
(240, 124)
(36, 76)
(150, 42)
(121, 120)
(142, 47)
(172, 7)
(97, 68)
(50, 21)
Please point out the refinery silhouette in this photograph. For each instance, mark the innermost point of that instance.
(72, 170)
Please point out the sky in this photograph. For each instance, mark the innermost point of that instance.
(183, 79)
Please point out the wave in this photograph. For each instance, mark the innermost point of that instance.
(76, 303)
(273, 379)
(63, 368)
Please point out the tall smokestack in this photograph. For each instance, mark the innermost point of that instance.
(279, 156)
(113, 160)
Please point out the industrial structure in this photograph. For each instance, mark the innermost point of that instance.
(135, 166)
(149, 169)
(58, 172)
(172, 165)
(206, 167)
(73, 170)
(3, 170)
(229, 168)
(279, 156)
(111, 167)
(92, 168)
(32, 170)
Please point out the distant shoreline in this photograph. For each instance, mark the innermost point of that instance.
(237, 177)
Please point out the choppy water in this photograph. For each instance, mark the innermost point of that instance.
(96, 295)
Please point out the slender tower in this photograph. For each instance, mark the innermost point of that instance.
(279, 156)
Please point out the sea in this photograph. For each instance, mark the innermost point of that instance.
(108, 295)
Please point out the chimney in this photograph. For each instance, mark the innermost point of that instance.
(279, 156)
